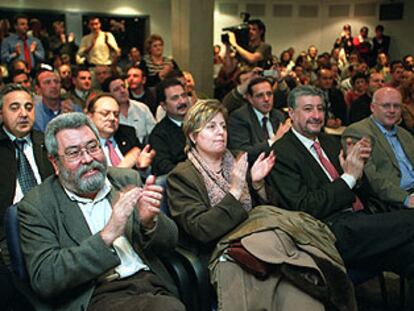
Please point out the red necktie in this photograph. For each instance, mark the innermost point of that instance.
(264, 127)
(113, 156)
(27, 55)
(330, 168)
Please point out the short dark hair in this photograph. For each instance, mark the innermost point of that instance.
(163, 85)
(77, 69)
(19, 16)
(359, 75)
(142, 68)
(260, 25)
(17, 72)
(91, 105)
(91, 18)
(12, 87)
(256, 81)
(108, 81)
(396, 64)
(379, 28)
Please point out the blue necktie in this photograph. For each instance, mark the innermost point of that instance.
(25, 173)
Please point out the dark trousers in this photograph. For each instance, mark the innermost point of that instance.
(11, 299)
(142, 291)
(378, 242)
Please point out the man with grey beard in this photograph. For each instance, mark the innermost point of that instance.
(91, 234)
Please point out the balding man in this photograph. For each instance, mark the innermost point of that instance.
(389, 170)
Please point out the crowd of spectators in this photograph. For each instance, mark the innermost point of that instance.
(149, 116)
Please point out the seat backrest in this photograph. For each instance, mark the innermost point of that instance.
(11, 225)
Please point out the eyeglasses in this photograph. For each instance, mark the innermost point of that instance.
(73, 154)
(106, 113)
(389, 106)
(262, 95)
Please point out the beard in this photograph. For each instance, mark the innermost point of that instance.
(73, 181)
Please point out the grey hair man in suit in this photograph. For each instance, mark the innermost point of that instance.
(313, 175)
(389, 170)
(90, 234)
(23, 165)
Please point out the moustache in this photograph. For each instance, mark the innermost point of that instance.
(86, 167)
(314, 121)
(181, 106)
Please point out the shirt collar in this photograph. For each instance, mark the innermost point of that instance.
(13, 138)
(307, 142)
(260, 115)
(101, 195)
(384, 131)
(176, 122)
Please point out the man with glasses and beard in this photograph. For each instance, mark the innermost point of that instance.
(91, 234)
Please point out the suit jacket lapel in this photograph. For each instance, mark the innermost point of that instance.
(72, 217)
(40, 154)
(380, 139)
(307, 157)
(256, 125)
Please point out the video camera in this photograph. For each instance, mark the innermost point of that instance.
(241, 31)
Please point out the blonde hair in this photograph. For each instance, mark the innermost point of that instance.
(199, 115)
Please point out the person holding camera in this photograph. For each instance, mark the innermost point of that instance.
(257, 53)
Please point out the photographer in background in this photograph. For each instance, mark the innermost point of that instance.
(257, 53)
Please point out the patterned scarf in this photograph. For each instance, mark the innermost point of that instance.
(218, 184)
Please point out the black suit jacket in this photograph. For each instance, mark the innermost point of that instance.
(336, 105)
(246, 133)
(126, 138)
(168, 140)
(301, 183)
(8, 169)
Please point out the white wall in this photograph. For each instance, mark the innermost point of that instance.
(158, 10)
(322, 30)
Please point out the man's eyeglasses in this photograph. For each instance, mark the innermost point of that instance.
(73, 154)
(389, 106)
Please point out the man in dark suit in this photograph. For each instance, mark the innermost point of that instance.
(121, 146)
(335, 114)
(167, 137)
(313, 176)
(255, 127)
(17, 111)
(381, 42)
(91, 235)
(389, 170)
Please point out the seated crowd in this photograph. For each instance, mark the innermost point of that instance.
(302, 166)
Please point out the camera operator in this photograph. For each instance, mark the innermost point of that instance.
(257, 53)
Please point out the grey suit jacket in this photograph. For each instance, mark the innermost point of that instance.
(64, 260)
(246, 133)
(382, 170)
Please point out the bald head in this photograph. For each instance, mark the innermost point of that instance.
(386, 106)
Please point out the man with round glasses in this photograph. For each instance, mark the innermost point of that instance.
(389, 170)
(91, 234)
(121, 146)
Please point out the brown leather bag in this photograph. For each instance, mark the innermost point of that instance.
(248, 262)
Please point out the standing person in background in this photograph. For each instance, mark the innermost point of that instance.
(21, 46)
(60, 43)
(257, 53)
(381, 42)
(363, 45)
(158, 65)
(97, 47)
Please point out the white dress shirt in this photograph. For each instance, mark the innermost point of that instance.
(97, 213)
(308, 143)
